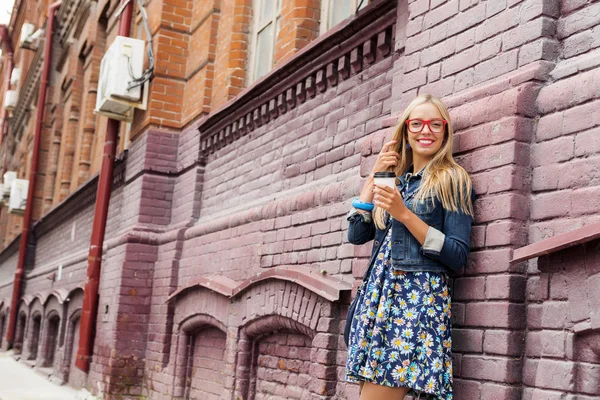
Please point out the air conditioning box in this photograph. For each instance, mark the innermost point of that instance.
(26, 32)
(9, 178)
(18, 196)
(15, 76)
(10, 100)
(120, 65)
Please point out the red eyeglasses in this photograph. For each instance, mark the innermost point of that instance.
(435, 125)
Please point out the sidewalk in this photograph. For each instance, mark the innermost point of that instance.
(19, 382)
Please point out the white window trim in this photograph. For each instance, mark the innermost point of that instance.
(325, 7)
(256, 28)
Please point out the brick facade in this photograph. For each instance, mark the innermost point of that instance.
(226, 259)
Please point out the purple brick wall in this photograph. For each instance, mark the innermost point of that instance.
(277, 198)
(226, 256)
(7, 272)
(562, 340)
(206, 372)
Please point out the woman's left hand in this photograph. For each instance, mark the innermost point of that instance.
(390, 200)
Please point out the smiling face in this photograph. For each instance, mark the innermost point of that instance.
(427, 143)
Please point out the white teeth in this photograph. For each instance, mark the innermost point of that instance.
(425, 141)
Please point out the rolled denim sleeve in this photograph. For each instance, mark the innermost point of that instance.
(434, 241)
(361, 227)
(451, 245)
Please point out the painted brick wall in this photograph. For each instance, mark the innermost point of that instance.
(314, 148)
(7, 271)
(283, 366)
(206, 380)
(566, 153)
(565, 196)
(477, 56)
(563, 296)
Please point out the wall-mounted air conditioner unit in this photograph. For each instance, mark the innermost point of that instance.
(9, 178)
(15, 76)
(10, 100)
(122, 63)
(18, 196)
(26, 32)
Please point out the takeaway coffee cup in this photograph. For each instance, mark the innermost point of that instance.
(385, 178)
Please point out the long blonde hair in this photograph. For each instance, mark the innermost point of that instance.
(442, 177)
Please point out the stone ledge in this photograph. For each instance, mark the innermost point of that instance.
(557, 243)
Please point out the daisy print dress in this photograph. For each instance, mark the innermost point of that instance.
(400, 333)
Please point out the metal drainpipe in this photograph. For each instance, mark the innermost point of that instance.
(6, 40)
(16, 294)
(89, 312)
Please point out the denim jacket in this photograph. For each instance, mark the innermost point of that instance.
(446, 246)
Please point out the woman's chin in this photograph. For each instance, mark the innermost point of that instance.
(425, 152)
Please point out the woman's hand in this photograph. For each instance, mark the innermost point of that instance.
(390, 200)
(386, 158)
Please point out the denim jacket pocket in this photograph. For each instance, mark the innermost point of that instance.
(426, 209)
(398, 249)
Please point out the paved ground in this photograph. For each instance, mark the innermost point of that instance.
(19, 382)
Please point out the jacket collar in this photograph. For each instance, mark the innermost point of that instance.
(409, 174)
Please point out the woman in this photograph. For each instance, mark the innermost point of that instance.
(399, 337)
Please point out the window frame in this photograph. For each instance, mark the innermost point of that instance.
(257, 28)
(325, 14)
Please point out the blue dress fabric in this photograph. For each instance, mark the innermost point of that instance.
(400, 334)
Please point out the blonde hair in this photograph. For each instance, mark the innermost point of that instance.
(442, 177)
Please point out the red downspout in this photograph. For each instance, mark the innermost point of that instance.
(89, 311)
(9, 67)
(16, 294)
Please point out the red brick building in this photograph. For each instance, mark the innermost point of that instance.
(226, 270)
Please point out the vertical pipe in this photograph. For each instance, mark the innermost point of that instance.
(16, 294)
(89, 311)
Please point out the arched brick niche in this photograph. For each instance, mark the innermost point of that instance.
(287, 342)
(200, 318)
(3, 322)
(201, 347)
(50, 341)
(281, 331)
(276, 355)
(21, 329)
(34, 330)
(70, 374)
(33, 339)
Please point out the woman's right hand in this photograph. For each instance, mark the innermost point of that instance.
(386, 158)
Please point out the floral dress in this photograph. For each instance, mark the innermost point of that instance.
(400, 335)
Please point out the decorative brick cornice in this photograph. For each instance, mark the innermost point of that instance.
(66, 18)
(199, 321)
(29, 89)
(325, 286)
(27, 299)
(333, 57)
(269, 323)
